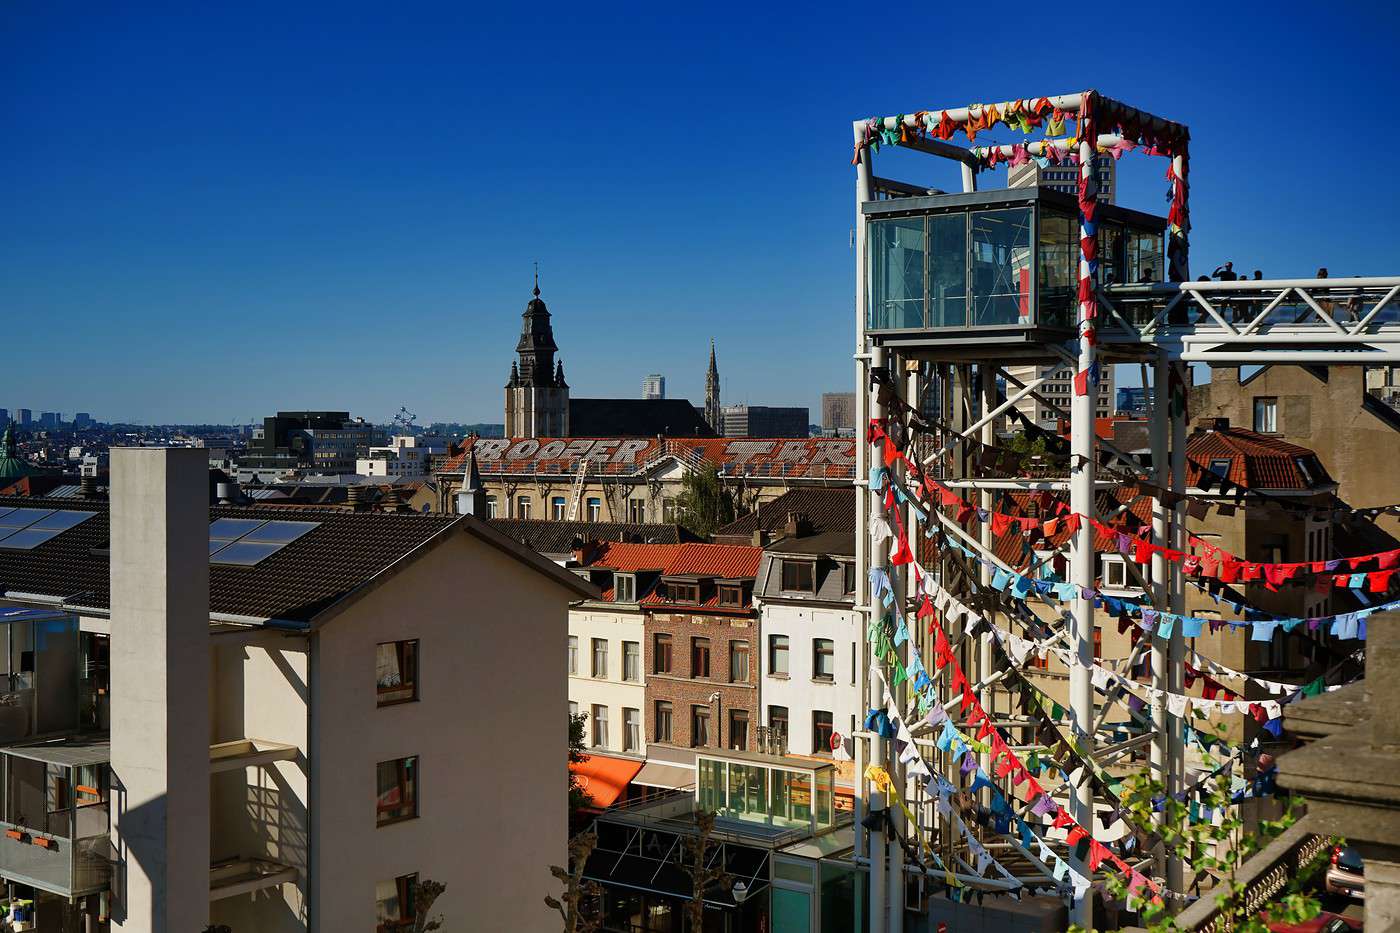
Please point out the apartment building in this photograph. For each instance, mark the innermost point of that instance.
(1059, 390)
(606, 681)
(285, 734)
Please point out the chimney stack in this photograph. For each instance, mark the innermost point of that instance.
(87, 487)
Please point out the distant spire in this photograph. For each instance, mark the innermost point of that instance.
(712, 410)
(559, 382)
(537, 278)
(514, 376)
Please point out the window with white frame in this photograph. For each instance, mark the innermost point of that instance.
(1266, 414)
(1115, 573)
(631, 661)
(595, 509)
(573, 654)
(600, 657)
(631, 730)
(600, 727)
(624, 588)
(778, 655)
(556, 508)
(522, 506)
(637, 511)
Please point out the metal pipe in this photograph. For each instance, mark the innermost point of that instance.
(1162, 719)
(1082, 443)
(1335, 358)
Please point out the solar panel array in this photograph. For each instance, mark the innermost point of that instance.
(244, 542)
(25, 529)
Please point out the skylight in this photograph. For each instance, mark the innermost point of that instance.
(244, 542)
(26, 529)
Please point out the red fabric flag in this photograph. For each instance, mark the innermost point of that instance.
(1072, 523)
(1097, 853)
(1379, 581)
(1142, 551)
(1062, 820)
(1081, 383)
(1388, 560)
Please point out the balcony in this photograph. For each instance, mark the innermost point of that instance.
(232, 877)
(54, 814)
(248, 753)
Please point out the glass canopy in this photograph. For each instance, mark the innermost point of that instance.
(1004, 259)
(772, 791)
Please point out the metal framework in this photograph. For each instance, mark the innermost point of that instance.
(1163, 326)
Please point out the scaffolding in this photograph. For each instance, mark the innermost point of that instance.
(984, 280)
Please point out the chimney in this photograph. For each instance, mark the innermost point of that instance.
(797, 525)
(160, 651)
(227, 492)
(760, 538)
(355, 497)
(390, 500)
(1215, 424)
(87, 487)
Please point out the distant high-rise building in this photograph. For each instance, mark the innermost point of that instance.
(1134, 400)
(50, 419)
(1066, 177)
(23, 417)
(713, 416)
(1059, 390)
(764, 421)
(654, 387)
(4, 418)
(838, 413)
(82, 420)
(324, 441)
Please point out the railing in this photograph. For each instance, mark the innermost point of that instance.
(58, 864)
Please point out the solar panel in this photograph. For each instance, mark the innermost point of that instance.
(62, 520)
(231, 529)
(23, 518)
(244, 553)
(35, 532)
(280, 532)
(27, 539)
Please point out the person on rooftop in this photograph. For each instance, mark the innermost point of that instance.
(1225, 273)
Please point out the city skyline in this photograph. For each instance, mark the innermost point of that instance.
(311, 234)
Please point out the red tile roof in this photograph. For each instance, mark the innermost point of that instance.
(1257, 461)
(723, 561)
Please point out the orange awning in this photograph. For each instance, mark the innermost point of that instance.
(603, 778)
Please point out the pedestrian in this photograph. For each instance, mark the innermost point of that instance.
(1321, 273)
(1258, 276)
(1226, 273)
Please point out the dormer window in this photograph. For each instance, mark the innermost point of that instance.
(683, 592)
(624, 588)
(731, 595)
(799, 576)
(1221, 467)
(1305, 468)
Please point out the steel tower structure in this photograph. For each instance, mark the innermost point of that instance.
(943, 352)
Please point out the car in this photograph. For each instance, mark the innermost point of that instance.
(1346, 873)
(1325, 922)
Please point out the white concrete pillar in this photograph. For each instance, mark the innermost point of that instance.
(160, 688)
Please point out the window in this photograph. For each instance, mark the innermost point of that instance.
(600, 727)
(556, 508)
(1115, 573)
(491, 506)
(1305, 467)
(821, 732)
(1266, 415)
(668, 511)
(595, 509)
(699, 657)
(739, 729)
(823, 659)
(1221, 467)
(522, 506)
(661, 654)
(731, 595)
(600, 657)
(778, 655)
(1000, 275)
(848, 578)
(398, 791)
(683, 592)
(778, 724)
(631, 661)
(573, 709)
(798, 576)
(738, 662)
(699, 727)
(631, 730)
(637, 511)
(573, 654)
(394, 904)
(396, 672)
(663, 721)
(624, 588)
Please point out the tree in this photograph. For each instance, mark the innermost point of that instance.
(577, 892)
(698, 848)
(1216, 854)
(424, 893)
(578, 797)
(704, 505)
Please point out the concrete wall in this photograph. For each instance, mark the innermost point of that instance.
(261, 691)
(489, 730)
(612, 691)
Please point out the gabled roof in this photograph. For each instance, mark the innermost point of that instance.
(827, 510)
(722, 561)
(1257, 461)
(344, 556)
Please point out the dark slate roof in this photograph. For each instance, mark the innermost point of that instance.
(345, 552)
(635, 417)
(828, 510)
(550, 537)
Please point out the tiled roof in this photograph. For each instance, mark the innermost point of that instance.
(723, 561)
(826, 510)
(813, 458)
(345, 551)
(551, 537)
(1257, 461)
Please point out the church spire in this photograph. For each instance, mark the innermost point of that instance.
(712, 412)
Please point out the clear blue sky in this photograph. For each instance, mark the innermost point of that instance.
(209, 211)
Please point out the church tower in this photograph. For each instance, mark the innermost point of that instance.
(712, 413)
(537, 397)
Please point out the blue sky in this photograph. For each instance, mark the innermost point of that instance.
(211, 211)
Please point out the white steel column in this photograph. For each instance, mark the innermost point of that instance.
(1081, 494)
(1162, 720)
(1176, 648)
(875, 840)
(986, 392)
(899, 583)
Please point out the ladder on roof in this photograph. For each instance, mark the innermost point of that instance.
(579, 479)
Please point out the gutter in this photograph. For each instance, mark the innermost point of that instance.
(100, 612)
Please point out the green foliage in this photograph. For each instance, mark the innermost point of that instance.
(578, 893)
(1216, 855)
(578, 797)
(1025, 448)
(704, 505)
